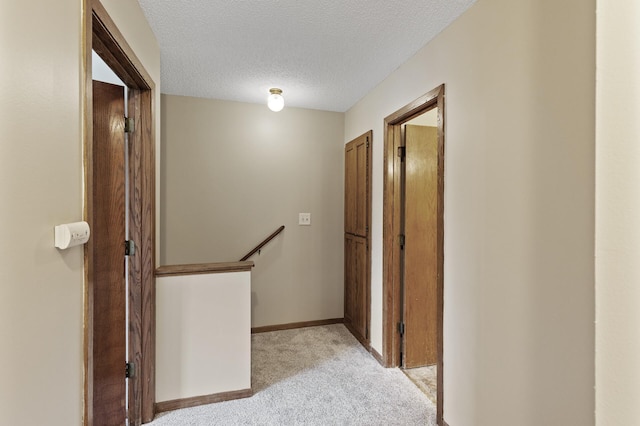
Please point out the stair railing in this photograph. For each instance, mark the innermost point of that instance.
(262, 244)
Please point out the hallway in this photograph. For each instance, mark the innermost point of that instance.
(315, 376)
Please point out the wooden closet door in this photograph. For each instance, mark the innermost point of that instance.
(357, 241)
(421, 247)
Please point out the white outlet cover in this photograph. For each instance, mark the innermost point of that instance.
(304, 219)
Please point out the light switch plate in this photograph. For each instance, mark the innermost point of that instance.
(304, 219)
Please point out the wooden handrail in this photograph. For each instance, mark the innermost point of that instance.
(202, 268)
(262, 244)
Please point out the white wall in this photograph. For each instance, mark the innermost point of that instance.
(203, 335)
(41, 288)
(519, 207)
(618, 214)
(232, 174)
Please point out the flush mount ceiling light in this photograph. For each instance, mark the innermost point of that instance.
(275, 101)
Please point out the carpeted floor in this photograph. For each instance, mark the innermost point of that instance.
(315, 376)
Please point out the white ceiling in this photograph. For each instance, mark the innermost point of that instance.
(323, 54)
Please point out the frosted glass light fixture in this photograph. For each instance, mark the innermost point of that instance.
(275, 101)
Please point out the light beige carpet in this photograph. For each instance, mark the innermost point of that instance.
(315, 376)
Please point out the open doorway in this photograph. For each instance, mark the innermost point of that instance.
(109, 359)
(413, 240)
(108, 232)
(419, 289)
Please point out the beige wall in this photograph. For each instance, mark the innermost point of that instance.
(429, 118)
(233, 173)
(519, 207)
(618, 214)
(203, 335)
(41, 288)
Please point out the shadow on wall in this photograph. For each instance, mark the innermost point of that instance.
(266, 269)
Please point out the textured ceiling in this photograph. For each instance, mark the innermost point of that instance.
(323, 54)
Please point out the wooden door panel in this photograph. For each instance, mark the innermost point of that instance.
(357, 186)
(349, 293)
(350, 182)
(420, 250)
(360, 283)
(361, 192)
(108, 234)
(356, 288)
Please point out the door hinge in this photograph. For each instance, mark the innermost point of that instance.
(129, 370)
(129, 125)
(129, 248)
(402, 152)
(401, 240)
(367, 141)
(401, 328)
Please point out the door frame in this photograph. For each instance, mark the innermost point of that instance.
(392, 228)
(102, 35)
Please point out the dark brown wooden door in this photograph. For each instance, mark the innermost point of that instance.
(108, 234)
(357, 223)
(420, 249)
